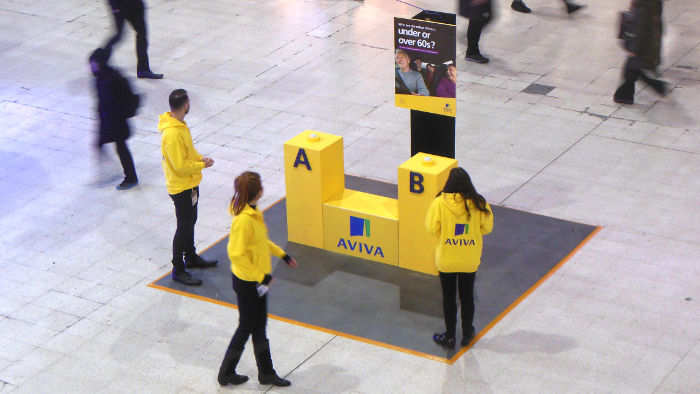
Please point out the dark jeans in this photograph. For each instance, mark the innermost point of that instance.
(136, 15)
(127, 162)
(186, 213)
(630, 74)
(464, 282)
(252, 321)
(473, 35)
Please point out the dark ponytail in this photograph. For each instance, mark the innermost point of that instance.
(245, 188)
(460, 182)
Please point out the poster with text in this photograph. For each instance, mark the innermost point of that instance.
(425, 73)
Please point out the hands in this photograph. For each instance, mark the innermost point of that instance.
(292, 263)
(208, 162)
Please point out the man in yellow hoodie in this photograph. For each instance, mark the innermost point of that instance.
(183, 167)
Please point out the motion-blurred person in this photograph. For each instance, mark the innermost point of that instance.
(644, 50)
(133, 11)
(249, 250)
(116, 102)
(519, 5)
(183, 167)
(408, 81)
(459, 217)
(479, 13)
(447, 86)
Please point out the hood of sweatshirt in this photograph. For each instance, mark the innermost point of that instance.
(165, 120)
(454, 202)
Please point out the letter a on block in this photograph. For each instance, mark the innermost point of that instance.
(416, 185)
(302, 159)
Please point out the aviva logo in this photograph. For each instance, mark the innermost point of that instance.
(460, 229)
(359, 226)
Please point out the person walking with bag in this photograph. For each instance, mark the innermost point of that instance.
(459, 217)
(479, 13)
(116, 102)
(643, 44)
(249, 250)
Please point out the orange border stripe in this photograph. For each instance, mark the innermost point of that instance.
(452, 360)
(525, 294)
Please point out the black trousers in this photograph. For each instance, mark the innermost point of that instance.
(186, 213)
(473, 36)
(452, 282)
(252, 321)
(136, 15)
(127, 162)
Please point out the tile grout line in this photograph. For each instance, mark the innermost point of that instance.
(307, 359)
(550, 163)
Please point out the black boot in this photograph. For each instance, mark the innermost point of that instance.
(196, 261)
(266, 373)
(227, 371)
(467, 336)
(573, 7)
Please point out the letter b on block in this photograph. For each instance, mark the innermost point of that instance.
(420, 179)
(416, 182)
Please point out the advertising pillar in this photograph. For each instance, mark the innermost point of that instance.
(420, 179)
(313, 174)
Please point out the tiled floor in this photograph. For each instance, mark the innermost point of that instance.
(622, 315)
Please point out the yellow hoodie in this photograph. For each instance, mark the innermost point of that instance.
(459, 239)
(182, 164)
(248, 247)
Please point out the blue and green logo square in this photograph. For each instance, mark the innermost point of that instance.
(461, 228)
(359, 227)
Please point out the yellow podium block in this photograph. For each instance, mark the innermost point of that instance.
(362, 225)
(420, 179)
(313, 173)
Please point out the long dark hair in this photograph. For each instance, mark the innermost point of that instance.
(460, 182)
(245, 188)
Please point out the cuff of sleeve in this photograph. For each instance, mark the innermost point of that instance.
(287, 258)
(267, 279)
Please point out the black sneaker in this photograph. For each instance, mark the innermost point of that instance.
(467, 338)
(149, 75)
(571, 7)
(126, 185)
(273, 379)
(623, 100)
(520, 7)
(199, 262)
(444, 340)
(186, 278)
(659, 86)
(477, 58)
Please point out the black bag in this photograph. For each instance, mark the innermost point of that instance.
(132, 104)
(626, 33)
(480, 11)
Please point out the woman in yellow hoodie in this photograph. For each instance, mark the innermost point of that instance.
(459, 217)
(249, 250)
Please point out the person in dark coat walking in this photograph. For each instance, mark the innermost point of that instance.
(116, 103)
(133, 11)
(644, 50)
(480, 13)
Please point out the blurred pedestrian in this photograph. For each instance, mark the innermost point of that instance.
(459, 217)
(183, 167)
(644, 50)
(571, 7)
(479, 13)
(116, 102)
(133, 11)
